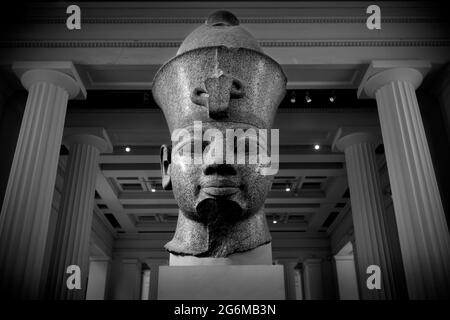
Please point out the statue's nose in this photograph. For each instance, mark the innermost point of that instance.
(219, 169)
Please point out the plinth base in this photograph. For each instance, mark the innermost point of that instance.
(221, 282)
(260, 255)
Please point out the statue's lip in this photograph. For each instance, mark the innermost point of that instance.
(219, 187)
(220, 191)
(219, 183)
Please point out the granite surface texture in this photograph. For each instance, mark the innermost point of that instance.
(221, 77)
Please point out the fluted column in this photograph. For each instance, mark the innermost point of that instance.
(422, 227)
(298, 274)
(24, 218)
(312, 275)
(289, 277)
(74, 222)
(368, 212)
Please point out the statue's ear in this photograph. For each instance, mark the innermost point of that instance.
(165, 167)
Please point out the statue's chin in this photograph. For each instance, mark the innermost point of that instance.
(218, 210)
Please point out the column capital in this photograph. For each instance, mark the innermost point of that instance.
(348, 136)
(97, 137)
(60, 73)
(382, 72)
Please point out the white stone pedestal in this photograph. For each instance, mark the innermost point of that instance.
(221, 282)
(261, 255)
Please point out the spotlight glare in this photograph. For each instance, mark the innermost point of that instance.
(308, 98)
(288, 189)
(316, 147)
(293, 97)
(274, 221)
(153, 190)
(332, 96)
(127, 149)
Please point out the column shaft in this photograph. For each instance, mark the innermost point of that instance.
(312, 273)
(422, 228)
(145, 291)
(298, 284)
(289, 279)
(26, 208)
(73, 228)
(372, 246)
(154, 276)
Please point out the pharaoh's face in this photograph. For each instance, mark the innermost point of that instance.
(208, 185)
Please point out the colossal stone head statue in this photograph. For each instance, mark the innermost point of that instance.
(222, 80)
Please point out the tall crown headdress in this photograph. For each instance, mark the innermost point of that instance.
(220, 73)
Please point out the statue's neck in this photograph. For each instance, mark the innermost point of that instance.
(197, 239)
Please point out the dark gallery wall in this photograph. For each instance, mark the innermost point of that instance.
(10, 120)
(434, 107)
